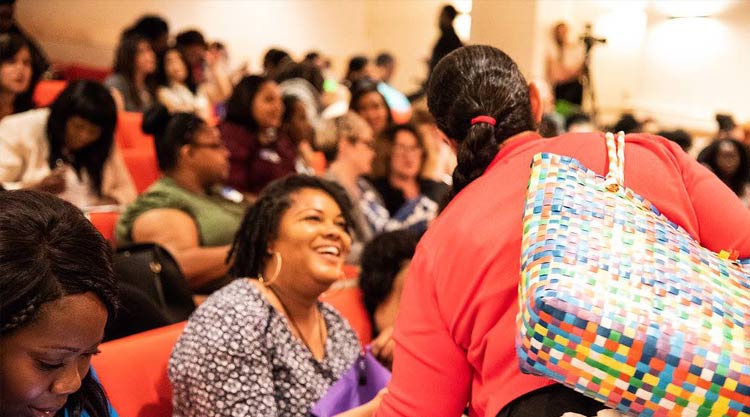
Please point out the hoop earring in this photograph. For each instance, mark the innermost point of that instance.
(267, 282)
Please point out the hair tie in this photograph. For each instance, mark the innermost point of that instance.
(484, 119)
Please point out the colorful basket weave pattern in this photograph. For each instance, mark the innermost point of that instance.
(621, 304)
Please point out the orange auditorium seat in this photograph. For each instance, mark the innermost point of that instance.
(348, 302)
(319, 163)
(129, 134)
(47, 91)
(142, 166)
(74, 72)
(133, 371)
(105, 221)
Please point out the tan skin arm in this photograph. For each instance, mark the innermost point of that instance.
(177, 232)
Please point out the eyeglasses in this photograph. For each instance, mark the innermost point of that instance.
(369, 143)
(404, 149)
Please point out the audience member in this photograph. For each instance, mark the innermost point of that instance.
(132, 84)
(441, 159)
(305, 81)
(264, 345)
(728, 129)
(296, 126)
(369, 103)
(628, 124)
(8, 25)
(564, 67)
(155, 30)
(385, 263)
(273, 60)
(396, 100)
(16, 89)
(194, 47)
(259, 152)
(456, 326)
(396, 175)
(359, 68)
(67, 149)
(386, 65)
(314, 57)
(349, 148)
(187, 211)
(678, 136)
(57, 291)
(579, 123)
(174, 92)
(729, 160)
(219, 51)
(448, 40)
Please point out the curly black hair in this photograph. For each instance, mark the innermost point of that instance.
(382, 259)
(260, 225)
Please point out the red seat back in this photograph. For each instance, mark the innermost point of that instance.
(129, 134)
(348, 302)
(133, 371)
(142, 166)
(47, 91)
(105, 223)
(74, 72)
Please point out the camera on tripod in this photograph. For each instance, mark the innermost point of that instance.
(589, 40)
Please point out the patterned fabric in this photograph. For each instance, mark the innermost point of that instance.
(625, 306)
(415, 214)
(237, 357)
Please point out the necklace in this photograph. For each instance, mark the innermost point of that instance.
(294, 323)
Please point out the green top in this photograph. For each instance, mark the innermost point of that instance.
(216, 217)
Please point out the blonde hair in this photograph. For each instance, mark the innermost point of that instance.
(330, 131)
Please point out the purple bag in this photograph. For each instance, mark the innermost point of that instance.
(360, 384)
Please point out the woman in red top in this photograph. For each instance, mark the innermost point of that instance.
(455, 333)
(259, 151)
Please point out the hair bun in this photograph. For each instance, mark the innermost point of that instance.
(155, 120)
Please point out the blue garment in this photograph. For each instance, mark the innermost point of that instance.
(396, 100)
(112, 412)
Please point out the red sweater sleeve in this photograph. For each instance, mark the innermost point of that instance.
(431, 375)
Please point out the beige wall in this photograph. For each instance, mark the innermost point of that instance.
(680, 71)
(86, 31)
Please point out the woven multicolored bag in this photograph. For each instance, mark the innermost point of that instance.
(621, 304)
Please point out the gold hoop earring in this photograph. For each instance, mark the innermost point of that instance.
(267, 282)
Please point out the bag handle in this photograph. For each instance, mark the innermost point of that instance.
(616, 154)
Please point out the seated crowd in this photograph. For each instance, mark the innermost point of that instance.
(270, 186)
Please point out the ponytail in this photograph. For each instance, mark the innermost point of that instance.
(473, 81)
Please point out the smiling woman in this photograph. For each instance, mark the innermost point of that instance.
(264, 345)
(57, 290)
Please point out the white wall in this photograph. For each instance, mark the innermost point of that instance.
(679, 71)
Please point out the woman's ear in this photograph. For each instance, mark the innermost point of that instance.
(450, 142)
(536, 102)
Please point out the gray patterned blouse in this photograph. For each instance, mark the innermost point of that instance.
(237, 357)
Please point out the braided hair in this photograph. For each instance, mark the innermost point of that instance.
(472, 81)
(49, 250)
(260, 225)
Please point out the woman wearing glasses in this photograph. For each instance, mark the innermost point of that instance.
(397, 176)
(187, 211)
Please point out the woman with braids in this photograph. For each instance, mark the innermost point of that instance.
(456, 328)
(57, 290)
(264, 345)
